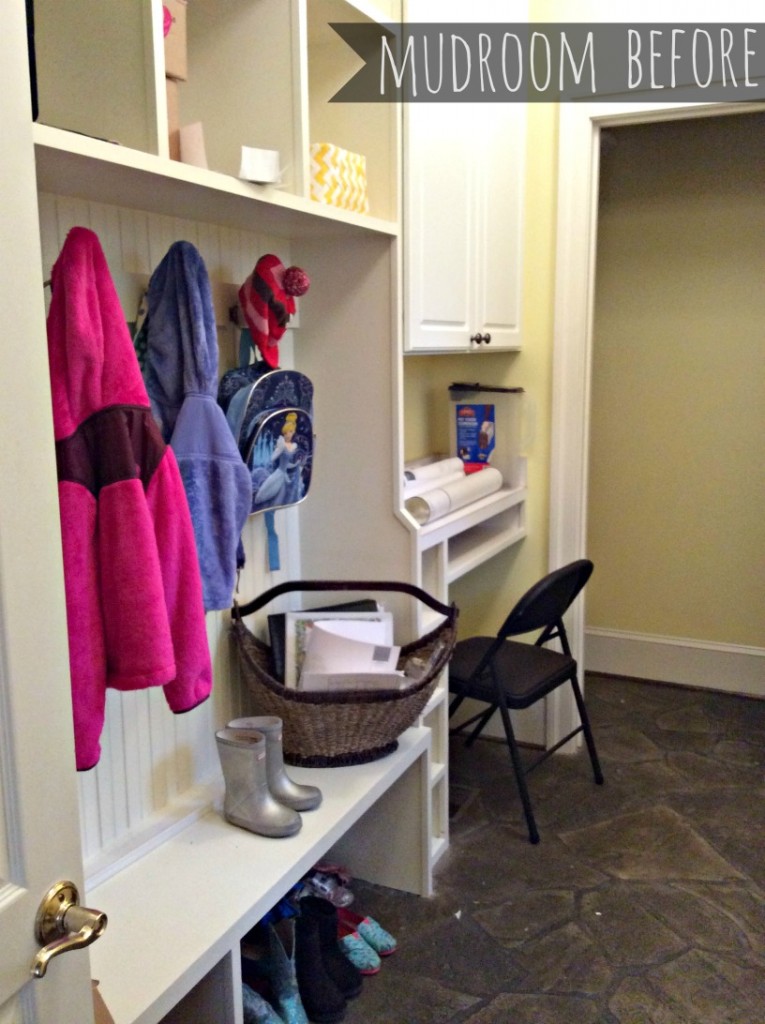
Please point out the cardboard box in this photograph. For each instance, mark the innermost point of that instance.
(100, 1009)
(173, 118)
(174, 27)
(339, 177)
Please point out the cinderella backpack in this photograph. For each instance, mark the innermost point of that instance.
(270, 413)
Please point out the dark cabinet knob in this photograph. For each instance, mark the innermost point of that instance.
(480, 339)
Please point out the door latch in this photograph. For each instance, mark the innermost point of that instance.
(62, 924)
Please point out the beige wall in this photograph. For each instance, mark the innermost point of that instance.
(677, 478)
(485, 595)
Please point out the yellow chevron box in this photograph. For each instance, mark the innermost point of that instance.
(339, 177)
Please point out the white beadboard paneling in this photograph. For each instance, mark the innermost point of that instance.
(185, 231)
(108, 777)
(160, 237)
(48, 231)
(90, 827)
(162, 748)
(105, 221)
(208, 243)
(248, 252)
(134, 233)
(71, 213)
(230, 256)
(136, 757)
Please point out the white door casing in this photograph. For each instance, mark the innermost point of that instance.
(40, 834)
(578, 176)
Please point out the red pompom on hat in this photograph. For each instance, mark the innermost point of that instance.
(267, 301)
(296, 281)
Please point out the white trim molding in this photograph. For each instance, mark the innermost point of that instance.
(731, 668)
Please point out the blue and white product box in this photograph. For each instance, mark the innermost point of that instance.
(475, 432)
(486, 428)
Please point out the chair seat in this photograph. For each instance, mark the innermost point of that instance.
(526, 672)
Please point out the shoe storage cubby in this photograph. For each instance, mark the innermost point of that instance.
(177, 915)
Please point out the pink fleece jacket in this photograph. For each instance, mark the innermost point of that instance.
(133, 588)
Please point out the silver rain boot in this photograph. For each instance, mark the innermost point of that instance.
(248, 802)
(292, 794)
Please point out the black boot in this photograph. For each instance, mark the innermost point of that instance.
(322, 1000)
(345, 975)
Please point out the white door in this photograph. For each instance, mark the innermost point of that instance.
(39, 826)
(439, 214)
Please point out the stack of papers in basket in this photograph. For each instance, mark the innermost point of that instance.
(350, 653)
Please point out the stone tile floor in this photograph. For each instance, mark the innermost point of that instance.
(644, 902)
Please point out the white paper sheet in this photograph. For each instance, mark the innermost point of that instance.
(329, 656)
(299, 625)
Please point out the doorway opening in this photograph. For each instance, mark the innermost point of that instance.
(579, 162)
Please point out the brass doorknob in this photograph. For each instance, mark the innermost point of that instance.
(62, 924)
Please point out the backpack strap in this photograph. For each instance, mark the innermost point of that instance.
(274, 562)
(246, 348)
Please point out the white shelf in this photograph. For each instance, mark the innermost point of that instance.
(472, 515)
(77, 165)
(469, 550)
(188, 902)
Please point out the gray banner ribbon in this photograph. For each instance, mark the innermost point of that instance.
(541, 62)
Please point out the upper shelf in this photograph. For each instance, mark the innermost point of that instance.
(76, 165)
(258, 74)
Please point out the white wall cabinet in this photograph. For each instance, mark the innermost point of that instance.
(463, 169)
(463, 231)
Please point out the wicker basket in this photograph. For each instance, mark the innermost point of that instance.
(325, 729)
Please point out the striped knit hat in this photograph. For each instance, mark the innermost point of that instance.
(267, 301)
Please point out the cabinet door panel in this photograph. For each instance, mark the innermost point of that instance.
(499, 232)
(439, 225)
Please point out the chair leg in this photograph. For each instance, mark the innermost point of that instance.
(482, 721)
(482, 717)
(520, 775)
(588, 737)
(455, 703)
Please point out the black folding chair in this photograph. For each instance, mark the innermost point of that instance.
(507, 675)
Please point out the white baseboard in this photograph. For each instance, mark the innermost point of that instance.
(727, 667)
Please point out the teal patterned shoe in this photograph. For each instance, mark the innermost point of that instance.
(359, 952)
(281, 972)
(371, 932)
(256, 1009)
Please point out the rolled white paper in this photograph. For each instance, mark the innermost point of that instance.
(412, 489)
(440, 501)
(433, 471)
